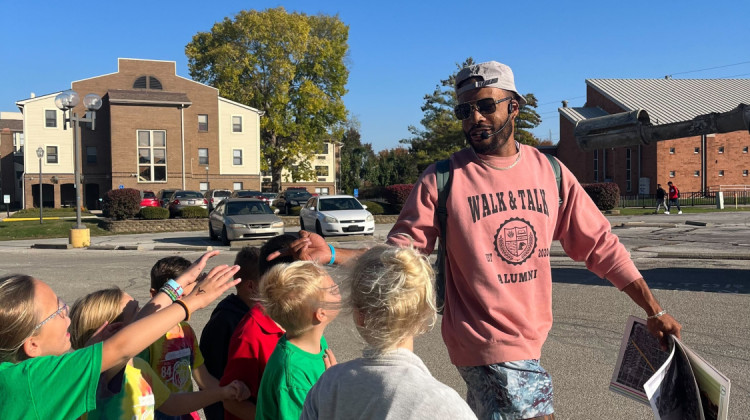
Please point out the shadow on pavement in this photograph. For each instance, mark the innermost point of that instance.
(688, 279)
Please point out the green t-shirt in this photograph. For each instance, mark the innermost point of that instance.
(289, 375)
(51, 387)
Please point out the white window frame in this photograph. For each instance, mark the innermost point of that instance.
(721, 172)
(203, 186)
(241, 157)
(672, 174)
(241, 124)
(202, 162)
(671, 150)
(322, 190)
(236, 186)
(18, 141)
(151, 148)
(199, 123)
(46, 154)
(744, 172)
(45, 118)
(327, 170)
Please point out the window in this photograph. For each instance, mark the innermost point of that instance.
(324, 151)
(237, 157)
(204, 186)
(744, 172)
(143, 81)
(596, 165)
(152, 156)
(18, 142)
(236, 124)
(321, 170)
(697, 150)
(671, 174)
(628, 183)
(721, 149)
(696, 173)
(744, 149)
(237, 186)
(321, 190)
(51, 154)
(203, 156)
(721, 172)
(91, 154)
(202, 122)
(50, 118)
(671, 150)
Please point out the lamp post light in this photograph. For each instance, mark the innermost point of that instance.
(66, 101)
(207, 178)
(40, 155)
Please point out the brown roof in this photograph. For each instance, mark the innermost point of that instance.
(148, 97)
(13, 125)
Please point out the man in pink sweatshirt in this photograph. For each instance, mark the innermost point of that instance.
(503, 213)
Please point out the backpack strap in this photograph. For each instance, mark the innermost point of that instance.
(443, 174)
(558, 175)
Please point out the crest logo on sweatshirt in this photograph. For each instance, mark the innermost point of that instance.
(515, 241)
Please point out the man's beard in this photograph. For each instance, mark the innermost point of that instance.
(497, 140)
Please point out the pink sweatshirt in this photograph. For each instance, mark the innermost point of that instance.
(499, 230)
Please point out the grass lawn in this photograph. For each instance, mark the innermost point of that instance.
(66, 212)
(49, 229)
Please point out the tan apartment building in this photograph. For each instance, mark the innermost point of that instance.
(695, 164)
(155, 130)
(326, 164)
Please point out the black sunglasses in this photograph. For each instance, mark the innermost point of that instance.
(484, 106)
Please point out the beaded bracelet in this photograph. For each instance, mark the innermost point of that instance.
(658, 314)
(172, 289)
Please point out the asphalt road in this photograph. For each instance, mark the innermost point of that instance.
(710, 296)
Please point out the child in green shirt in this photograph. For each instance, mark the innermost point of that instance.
(303, 299)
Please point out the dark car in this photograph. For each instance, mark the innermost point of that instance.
(184, 198)
(291, 198)
(248, 194)
(163, 196)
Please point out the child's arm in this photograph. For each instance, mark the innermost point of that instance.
(132, 339)
(187, 402)
(204, 379)
(244, 410)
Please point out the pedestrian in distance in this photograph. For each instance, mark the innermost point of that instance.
(40, 378)
(214, 342)
(392, 300)
(674, 198)
(661, 198)
(503, 212)
(136, 390)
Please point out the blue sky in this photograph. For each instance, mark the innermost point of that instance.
(399, 50)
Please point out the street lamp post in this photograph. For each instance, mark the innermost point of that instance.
(207, 178)
(66, 101)
(40, 155)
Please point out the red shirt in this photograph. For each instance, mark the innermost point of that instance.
(249, 349)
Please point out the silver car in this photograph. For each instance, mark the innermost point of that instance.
(243, 218)
(184, 198)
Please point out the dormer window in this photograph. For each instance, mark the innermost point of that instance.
(147, 82)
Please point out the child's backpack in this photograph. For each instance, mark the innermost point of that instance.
(443, 173)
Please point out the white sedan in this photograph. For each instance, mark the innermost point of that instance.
(336, 215)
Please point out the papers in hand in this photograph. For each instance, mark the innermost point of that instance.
(678, 384)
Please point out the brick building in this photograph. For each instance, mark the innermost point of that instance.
(155, 130)
(699, 163)
(11, 156)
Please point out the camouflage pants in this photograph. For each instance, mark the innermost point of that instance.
(509, 390)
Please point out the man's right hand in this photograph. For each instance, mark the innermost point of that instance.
(309, 247)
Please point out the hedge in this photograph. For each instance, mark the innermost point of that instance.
(121, 204)
(193, 212)
(374, 207)
(606, 195)
(154, 213)
(396, 195)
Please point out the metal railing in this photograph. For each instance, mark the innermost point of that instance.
(731, 198)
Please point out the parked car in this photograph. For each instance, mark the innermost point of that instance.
(270, 197)
(291, 198)
(248, 194)
(214, 197)
(243, 218)
(148, 199)
(163, 196)
(184, 198)
(336, 215)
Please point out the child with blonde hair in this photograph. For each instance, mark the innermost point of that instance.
(392, 301)
(140, 391)
(303, 299)
(41, 379)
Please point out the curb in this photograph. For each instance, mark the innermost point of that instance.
(183, 248)
(52, 246)
(703, 256)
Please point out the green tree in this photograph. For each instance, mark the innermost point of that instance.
(358, 161)
(441, 133)
(290, 66)
(395, 166)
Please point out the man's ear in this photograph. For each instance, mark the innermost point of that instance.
(31, 347)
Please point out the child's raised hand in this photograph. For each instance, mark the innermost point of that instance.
(236, 390)
(216, 282)
(329, 359)
(190, 276)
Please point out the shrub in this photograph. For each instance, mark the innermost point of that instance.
(374, 207)
(396, 195)
(154, 213)
(294, 211)
(121, 203)
(605, 195)
(193, 212)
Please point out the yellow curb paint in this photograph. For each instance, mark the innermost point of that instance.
(80, 238)
(26, 219)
